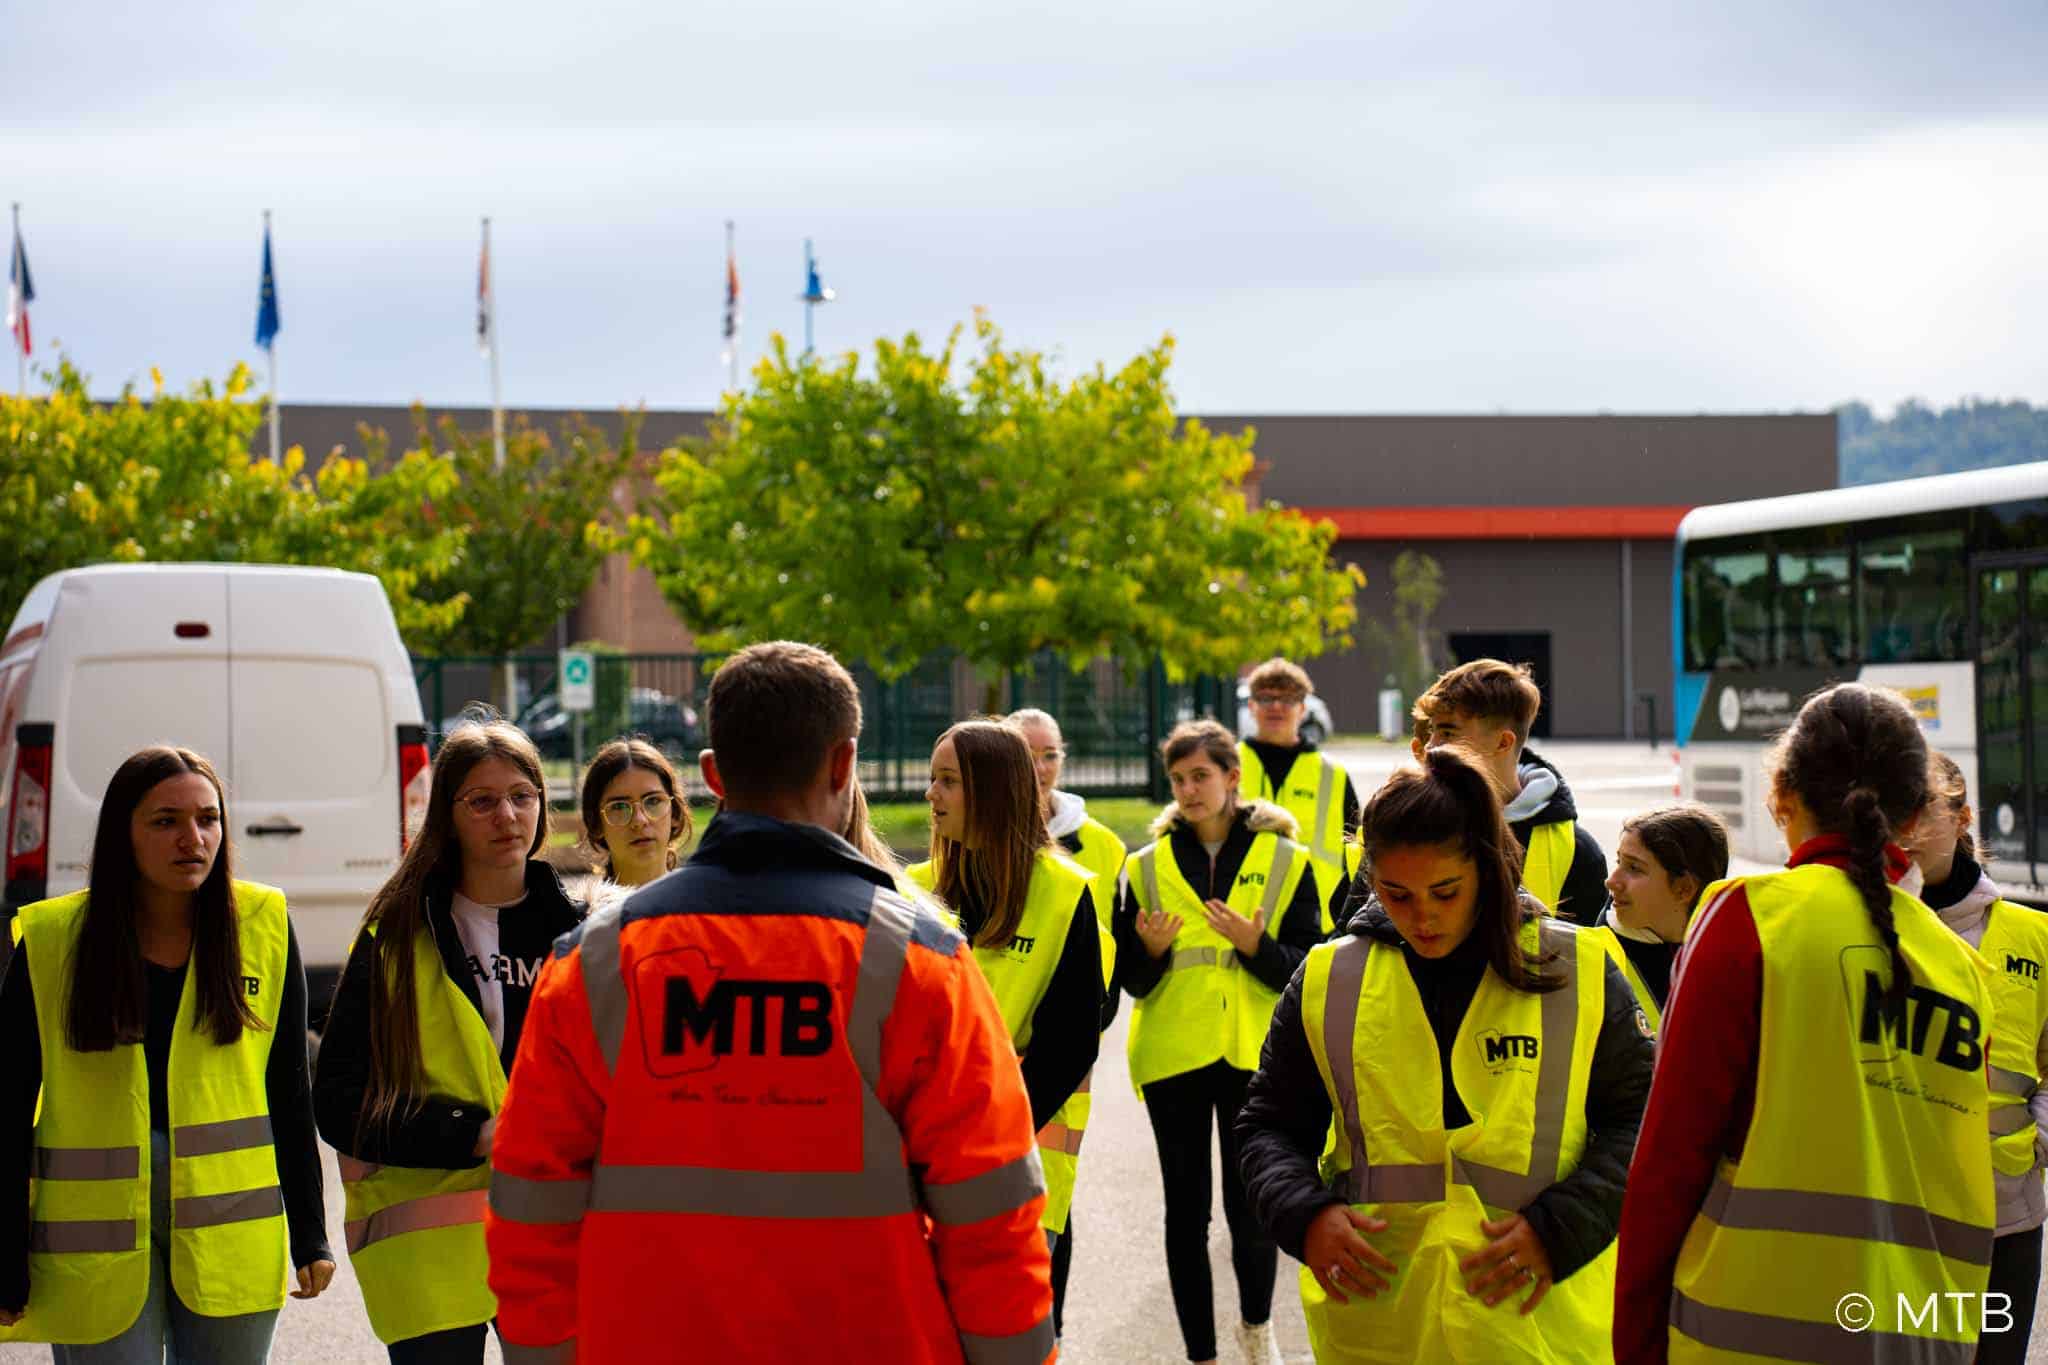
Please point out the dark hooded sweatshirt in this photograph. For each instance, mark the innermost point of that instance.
(1287, 1111)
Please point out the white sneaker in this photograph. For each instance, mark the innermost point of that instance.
(1257, 1344)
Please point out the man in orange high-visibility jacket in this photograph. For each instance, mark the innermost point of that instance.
(766, 1109)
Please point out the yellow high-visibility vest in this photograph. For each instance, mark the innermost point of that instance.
(1522, 1063)
(1313, 793)
(1547, 861)
(1611, 943)
(416, 1234)
(89, 1237)
(1207, 1006)
(1019, 973)
(1866, 1169)
(2015, 947)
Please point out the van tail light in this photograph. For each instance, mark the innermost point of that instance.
(414, 775)
(28, 814)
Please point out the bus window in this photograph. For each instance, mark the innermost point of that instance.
(1816, 613)
(1728, 599)
(1914, 598)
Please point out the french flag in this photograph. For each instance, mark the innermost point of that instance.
(21, 291)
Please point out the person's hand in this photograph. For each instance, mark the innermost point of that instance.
(313, 1278)
(1339, 1255)
(1157, 930)
(1513, 1259)
(1244, 934)
(10, 1316)
(483, 1137)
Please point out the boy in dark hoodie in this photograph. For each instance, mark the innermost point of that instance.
(1486, 708)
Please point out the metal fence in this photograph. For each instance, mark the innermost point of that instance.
(1112, 713)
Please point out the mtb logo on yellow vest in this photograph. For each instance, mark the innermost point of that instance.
(89, 1234)
(416, 1235)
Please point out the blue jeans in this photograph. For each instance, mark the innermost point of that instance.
(166, 1332)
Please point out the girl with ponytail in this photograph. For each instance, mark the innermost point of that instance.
(1477, 1068)
(1799, 1066)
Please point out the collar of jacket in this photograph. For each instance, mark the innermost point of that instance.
(1545, 798)
(1832, 850)
(741, 841)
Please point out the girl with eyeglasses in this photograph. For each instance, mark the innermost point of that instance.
(425, 1023)
(634, 815)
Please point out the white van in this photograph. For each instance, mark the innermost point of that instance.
(291, 680)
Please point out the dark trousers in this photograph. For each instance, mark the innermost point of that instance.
(1062, 1261)
(456, 1346)
(1183, 1110)
(2015, 1272)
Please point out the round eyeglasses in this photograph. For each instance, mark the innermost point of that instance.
(620, 812)
(483, 805)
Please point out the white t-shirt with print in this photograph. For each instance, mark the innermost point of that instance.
(477, 925)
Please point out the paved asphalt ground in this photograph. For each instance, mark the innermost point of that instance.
(1119, 1311)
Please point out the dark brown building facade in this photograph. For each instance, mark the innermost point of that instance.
(1554, 534)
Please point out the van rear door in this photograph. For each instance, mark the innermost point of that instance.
(315, 785)
(129, 660)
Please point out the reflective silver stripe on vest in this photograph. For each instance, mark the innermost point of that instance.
(88, 1163)
(416, 1215)
(224, 1135)
(2005, 1082)
(2007, 1119)
(1326, 791)
(883, 1187)
(1731, 1329)
(1009, 1186)
(1029, 1347)
(1340, 1022)
(603, 983)
(538, 1201)
(82, 1235)
(1148, 876)
(1846, 1215)
(1402, 1184)
(1515, 1190)
(561, 1353)
(1183, 958)
(238, 1206)
(1276, 878)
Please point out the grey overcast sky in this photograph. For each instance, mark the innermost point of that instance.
(1334, 206)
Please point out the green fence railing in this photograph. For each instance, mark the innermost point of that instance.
(1112, 713)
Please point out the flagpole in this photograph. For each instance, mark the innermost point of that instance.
(20, 356)
(497, 392)
(271, 350)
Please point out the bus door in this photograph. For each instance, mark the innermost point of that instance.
(2012, 712)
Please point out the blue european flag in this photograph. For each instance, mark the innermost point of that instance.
(267, 321)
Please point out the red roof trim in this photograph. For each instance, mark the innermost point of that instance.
(1501, 523)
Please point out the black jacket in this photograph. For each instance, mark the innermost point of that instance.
(442, 1132)
(1287, 1113)
(1585, 882)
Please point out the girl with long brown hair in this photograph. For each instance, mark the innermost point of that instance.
(1478, 1070)
(634, 815)
(1809, 1123)
(1212, 919)
(160, 1016)
(1029, 914)
(425, 1024)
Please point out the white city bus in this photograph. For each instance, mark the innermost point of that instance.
(1937, 587)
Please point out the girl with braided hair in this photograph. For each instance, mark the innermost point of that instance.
(1817, 1126)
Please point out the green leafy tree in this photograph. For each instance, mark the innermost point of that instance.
(1411, 647)
(1918, 440)
(887, 511)
(533, 533)
(172, 478)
